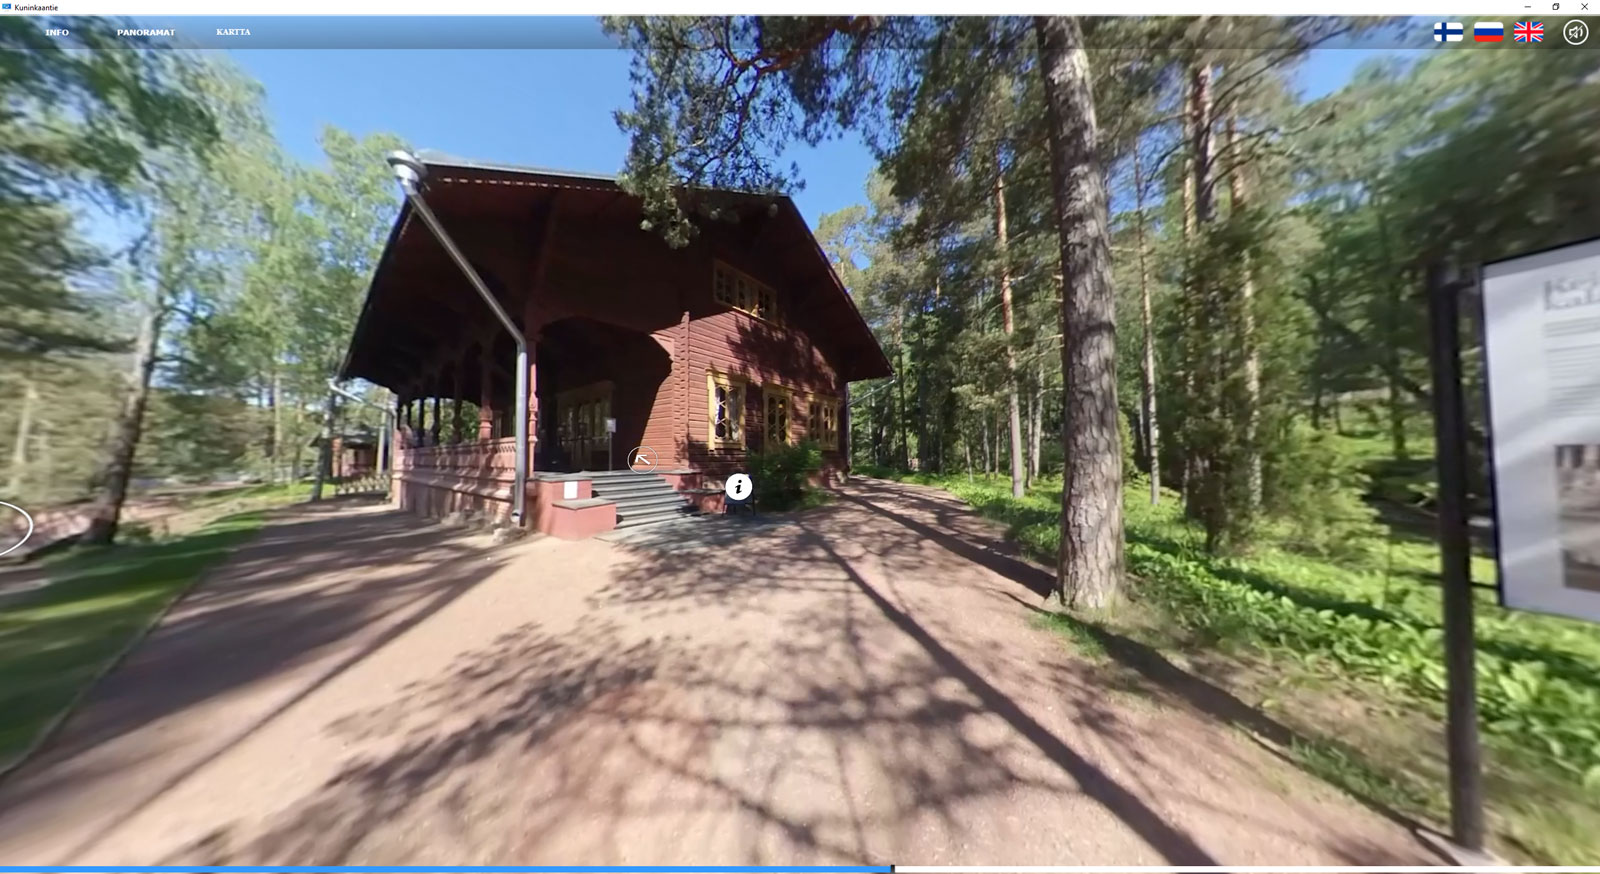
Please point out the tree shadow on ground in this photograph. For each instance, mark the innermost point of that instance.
(1159, 675)
(831, 690)
(629, 696)
(373, 575)
(979, 546)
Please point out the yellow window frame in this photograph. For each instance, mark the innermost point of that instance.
(787, 395)
(822, 420)
(735, 288)
(731, 384)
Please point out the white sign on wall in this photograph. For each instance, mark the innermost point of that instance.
(1542, 333)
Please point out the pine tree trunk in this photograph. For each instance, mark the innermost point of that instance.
(1091, 561)
(274, 398)
(1397, 416)
(1019, 483)
(1147, 384)
(1247, 337)
(111, 483)
(880, 452)
(19, 452)
(900, 427)
(1035, 429)
(989, 461)
(925, 422)
(1206, 495)
(1186, 352)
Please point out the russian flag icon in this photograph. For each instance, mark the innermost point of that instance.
(1488, 31)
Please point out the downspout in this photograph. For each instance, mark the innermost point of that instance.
(411, 173)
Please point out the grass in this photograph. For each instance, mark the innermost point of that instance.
(192, 510)
(56, 640)
(1346, 653)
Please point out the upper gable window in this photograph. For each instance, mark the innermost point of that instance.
(736, 289)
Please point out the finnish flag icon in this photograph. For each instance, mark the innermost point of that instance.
(1448, 31)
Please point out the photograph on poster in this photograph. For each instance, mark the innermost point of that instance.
(1541, 321)
(1578, 490)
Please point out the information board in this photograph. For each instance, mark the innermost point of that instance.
(1542, 334)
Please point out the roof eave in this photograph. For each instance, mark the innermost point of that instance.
(389, 247)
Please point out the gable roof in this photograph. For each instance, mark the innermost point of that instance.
(863, 356)
(611, 182)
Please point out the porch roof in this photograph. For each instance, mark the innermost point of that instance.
(419, 310)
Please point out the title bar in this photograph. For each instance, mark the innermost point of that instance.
(482, 30)
(1433, 9)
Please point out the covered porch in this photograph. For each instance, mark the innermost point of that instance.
(599, 330)
(593, 386)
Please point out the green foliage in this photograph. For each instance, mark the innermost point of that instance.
(1130, 455)
(718, 96)
(782, 474)
(1318, 495)
(81, 111)
(195, 435)
(248, 269)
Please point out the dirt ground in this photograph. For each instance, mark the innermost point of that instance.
(855, 684)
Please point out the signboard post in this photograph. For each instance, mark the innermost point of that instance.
(1455, 558)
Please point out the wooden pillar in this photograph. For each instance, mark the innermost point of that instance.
(533, 402)
(455, 408)
(437, 420)
(485, 397)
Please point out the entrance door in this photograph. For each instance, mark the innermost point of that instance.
(583, 414)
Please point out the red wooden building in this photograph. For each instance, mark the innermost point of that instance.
(702, 354)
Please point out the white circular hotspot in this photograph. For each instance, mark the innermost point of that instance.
(18, 545)
(642, 459)
(739, 486)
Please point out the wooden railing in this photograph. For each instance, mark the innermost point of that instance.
(480, 458)
(441, 477)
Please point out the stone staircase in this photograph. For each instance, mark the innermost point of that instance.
(641, 498)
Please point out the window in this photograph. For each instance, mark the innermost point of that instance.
(822, 421)
(725, 410)
(732, 288)
(778, 406)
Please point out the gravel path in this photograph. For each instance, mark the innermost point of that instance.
(858, 684)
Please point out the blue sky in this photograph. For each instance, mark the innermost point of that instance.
(544, 107)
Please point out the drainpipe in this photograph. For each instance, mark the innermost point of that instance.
(411, 173)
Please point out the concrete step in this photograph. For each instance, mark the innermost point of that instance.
(645, 504)
(604, 475)
(654, 516)
(632, 490)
